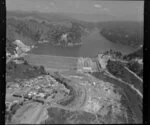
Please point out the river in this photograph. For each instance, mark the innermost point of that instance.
(93, 44)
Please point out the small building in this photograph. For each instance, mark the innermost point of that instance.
(87, 69)
(64, 37)
(40, 95)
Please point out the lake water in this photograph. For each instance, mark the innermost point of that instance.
(93, 44)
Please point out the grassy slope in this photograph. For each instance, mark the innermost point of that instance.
(22, 71)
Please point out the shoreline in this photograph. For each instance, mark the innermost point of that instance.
(43, 55)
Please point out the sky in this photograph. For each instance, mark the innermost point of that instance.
(127, 9)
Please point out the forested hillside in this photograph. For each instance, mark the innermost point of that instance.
(127, 33)
(33, 28)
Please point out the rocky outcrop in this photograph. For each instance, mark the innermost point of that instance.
(20, 50)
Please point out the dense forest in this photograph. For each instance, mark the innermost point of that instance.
(127, 33)
(137, 54)
(33, 28)
(118, 69)
(133, 63)
(23, 71)
(32, 31)
(115, 67)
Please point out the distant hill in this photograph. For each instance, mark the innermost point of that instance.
(45, 16)
(50, 17)
(54, 16)
(121, 24)
(93, 17)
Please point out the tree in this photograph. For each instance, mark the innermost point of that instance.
(42, 70)
(26, 63)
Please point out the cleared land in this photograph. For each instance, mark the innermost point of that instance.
(53, 63)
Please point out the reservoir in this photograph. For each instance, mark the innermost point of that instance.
(93, 44)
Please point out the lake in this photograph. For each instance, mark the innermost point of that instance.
(93, 44)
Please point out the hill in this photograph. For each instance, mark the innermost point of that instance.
(22, 71)
(54, 28)
(39, 15)
(127, 33)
